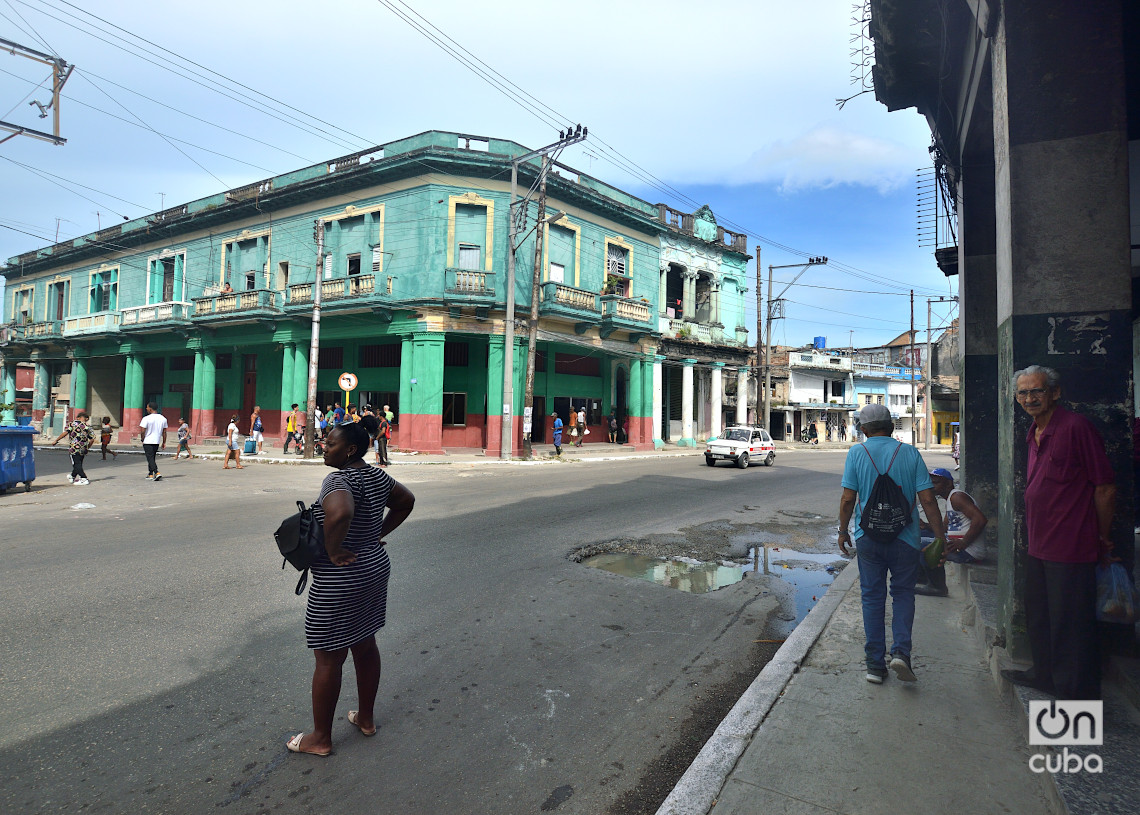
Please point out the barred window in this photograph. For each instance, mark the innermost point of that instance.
(182, 363)
(455, 354)
(455, 409)
(330, 357)
(380, 356)
(577, 365)
(223, 362)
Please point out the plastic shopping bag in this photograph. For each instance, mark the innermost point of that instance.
(1115, 595)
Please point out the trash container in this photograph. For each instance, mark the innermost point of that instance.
(17, 458)
(250, 447)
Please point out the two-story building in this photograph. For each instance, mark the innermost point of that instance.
(206, 308)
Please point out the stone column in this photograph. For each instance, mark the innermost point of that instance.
(714, 302)
(400, 434)
(301, 376)
(8, 392)
(742, 395)
(686, 439)
(662, 287)
(132, 397)
(658, 442)
(205, 383)
(716, 408)
(288, 371)
(493, 434)
(689, 298)
(1062, 249)
(41, 390)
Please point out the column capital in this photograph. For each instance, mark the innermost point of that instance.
(659, 358)
(426, 336)
(689, 363)
(665, 267)
(717, 364)
(689, 274)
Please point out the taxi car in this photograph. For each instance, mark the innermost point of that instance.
(741, 445)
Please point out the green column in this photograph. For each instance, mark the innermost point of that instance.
(287, 372)
(208, 395)
(41, 389)
(407, 354)
(300, 376)
(636, 407)
(427, 371)
(133, 383)
(196, 399)
(8, 392)
(79, 384)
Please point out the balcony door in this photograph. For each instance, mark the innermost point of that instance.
(249, 387)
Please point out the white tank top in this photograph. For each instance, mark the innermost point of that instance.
(958, 524)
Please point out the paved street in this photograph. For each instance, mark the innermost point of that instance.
(155, 657)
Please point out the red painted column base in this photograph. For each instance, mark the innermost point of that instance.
(424, 433)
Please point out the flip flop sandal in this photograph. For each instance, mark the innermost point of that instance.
(294, 745)
(352, 717)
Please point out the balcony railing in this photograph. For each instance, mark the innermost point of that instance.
(887, 371)
(157, 313)
(236, 302)
(43, 331)
(340, 288)
(101, 322)
(563, 295)
(636, 311)
(466, 281)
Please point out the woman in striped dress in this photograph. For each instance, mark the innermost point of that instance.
(349, 592)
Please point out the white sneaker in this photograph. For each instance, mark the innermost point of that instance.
(82, 481)
(70, 479)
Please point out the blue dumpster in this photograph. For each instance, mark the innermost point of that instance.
(17, 459)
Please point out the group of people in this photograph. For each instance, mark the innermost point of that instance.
(1070, 500)
(378, 424)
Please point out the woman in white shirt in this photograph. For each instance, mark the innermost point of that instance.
(232, 445)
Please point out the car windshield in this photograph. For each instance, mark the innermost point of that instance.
(736, 435)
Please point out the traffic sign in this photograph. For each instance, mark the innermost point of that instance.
(348, 382)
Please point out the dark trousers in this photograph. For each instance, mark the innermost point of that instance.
(383, 450)
(77, 465)
(1060, 619)
(151, 451)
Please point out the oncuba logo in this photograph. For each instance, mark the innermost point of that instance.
(1063, 724)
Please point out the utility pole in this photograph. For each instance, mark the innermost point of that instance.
(803, 267)
(926, 372)
(60, 71)
(565, 139)
(913, 394)
(532, 326)
(760, 361)
(315, 342)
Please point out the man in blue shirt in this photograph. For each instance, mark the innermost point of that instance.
(557, 433)
(901, 556)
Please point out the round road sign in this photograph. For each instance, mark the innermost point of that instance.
(347, 382)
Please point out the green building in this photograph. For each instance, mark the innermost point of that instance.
(205, 309)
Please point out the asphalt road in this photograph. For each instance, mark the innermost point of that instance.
(154, 656)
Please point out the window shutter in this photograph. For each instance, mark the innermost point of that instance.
(616, 261)
(375, 260)
(328, 267)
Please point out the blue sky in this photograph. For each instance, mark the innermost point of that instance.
(727, 103)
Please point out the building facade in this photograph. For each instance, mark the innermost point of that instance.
(206, 309)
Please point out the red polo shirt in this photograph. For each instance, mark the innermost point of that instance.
(1064, 469)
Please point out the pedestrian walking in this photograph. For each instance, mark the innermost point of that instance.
(338, 414)
(81, 438)
(233, 445)
(956, 450)
(388, 414)
(1070, 500)
(382, 441)
(183, 438)
(557, 435)
(105, 439)
(256, 428)
(290, 426)
(581, 427)
(153, 427)
(348, 596)
(902, 464)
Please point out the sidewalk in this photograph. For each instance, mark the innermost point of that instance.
(811, 735)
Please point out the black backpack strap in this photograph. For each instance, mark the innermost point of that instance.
(873, 467)
(302, 581)
(893, 457)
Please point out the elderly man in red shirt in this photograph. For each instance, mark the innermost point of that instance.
(1070, 498)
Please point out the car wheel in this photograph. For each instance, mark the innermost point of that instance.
(742, 462)
(768, 462)
(709, 460)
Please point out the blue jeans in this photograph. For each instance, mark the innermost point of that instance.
(875, 561)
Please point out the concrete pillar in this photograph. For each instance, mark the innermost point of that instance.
(78, 384)
(689, 298)
(41, 389)
(714, 302)
(716, 408)
(662, 287)
(301, 376)
(1062, 248)
(658, 442)
(686, 439)
(288, 371)
(493, 435)
(742, 396)
(636, 404)
(132, 397)
(205, 380)
(8, 392)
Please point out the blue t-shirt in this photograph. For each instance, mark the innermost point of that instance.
(909, 472)
(557, 430)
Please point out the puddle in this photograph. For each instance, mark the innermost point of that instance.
(801, 577)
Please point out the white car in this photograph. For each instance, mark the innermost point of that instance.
(741, 445)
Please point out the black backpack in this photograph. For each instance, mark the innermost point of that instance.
(301, 540)
(886, 512)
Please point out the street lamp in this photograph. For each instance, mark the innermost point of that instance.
(812, 261)
(506, 443)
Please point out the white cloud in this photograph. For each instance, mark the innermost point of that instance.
(828, 156)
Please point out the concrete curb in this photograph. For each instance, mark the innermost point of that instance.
(699, 787)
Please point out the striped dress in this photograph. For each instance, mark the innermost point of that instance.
(347, 604)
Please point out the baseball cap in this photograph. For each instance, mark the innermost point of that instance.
(942, 472)
(874, 413)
